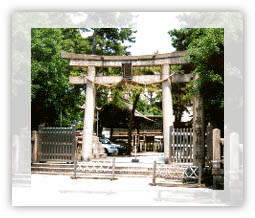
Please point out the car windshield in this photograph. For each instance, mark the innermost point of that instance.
(105, 141)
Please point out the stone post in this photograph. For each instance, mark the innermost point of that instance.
(89, 115)
(216, 149)
(198, 129)
(167, 106)
(217, 172)
(36, 147)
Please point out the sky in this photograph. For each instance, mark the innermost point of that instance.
(152, 32)
(152, 35)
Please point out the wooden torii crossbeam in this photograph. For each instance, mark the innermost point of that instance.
(93, 61)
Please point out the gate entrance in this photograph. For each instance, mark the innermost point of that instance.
(56, 144)
(166, 78)
(181, 145)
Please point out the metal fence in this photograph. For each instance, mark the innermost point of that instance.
(181, 147)
(95, 168)
(56, 143)
(177, 172)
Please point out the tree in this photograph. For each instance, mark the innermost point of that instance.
(51, 94)
(206, 55)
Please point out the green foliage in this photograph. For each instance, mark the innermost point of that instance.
(51, 92)
(206, 56)
(110, 41)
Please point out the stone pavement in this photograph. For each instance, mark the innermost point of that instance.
(60, 190)
(145, 158)
(51, 190)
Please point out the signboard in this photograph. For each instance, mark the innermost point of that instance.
(127, 70)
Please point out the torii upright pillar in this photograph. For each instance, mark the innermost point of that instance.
(167, 106)
(89, 115)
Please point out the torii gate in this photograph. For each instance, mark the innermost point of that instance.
(93, 61)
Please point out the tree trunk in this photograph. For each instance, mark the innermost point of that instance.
(198, 129)
(131, 123)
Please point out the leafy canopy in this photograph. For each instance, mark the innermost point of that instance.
(206, 55)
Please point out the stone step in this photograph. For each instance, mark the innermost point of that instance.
(92, 175)
(67, 166)
(108, 174)
(117, 171)
(70, 167)
(62, 169)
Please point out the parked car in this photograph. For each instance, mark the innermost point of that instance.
(122, 146)
(121, 149)
(108, 146)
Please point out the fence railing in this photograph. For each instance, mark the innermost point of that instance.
(181, 147)
(56, 143)
(106, 168)
(183, 172)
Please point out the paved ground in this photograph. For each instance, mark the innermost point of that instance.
(62, 190)
(145, 158)
(56, 190)
(50, 190)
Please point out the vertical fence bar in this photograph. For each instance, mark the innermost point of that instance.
(57, 145)
(199, 173)
(75, 166)
(175, 144)
(178, 145)
(171, 143)
(191, 145)
(45, 136)
(64, 144)
(181, 145)
(154, 173)
(39, 142)
(74, 144)
(52, 143)
(185, 146)
(113, 168)
(188, 148)
(49, 143)
(44, 144)
(68, 146)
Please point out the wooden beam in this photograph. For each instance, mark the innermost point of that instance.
(116, 61)
(177, 78)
